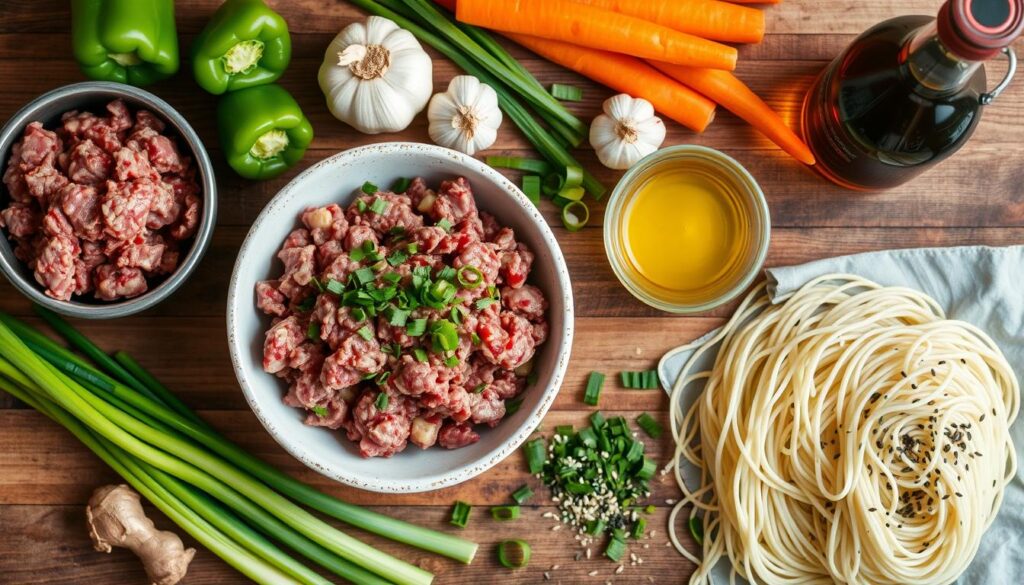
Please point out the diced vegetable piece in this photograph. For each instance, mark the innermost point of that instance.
(696, 530)
(513, 554)
(615, 549)
(595, 383)
(575, 215)
(520, 164)
(649, 425)
(522, 495)
(531, 187)
(536, 453)
(460, 514)
(505, 513)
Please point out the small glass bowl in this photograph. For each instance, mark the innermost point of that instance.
(717, 166)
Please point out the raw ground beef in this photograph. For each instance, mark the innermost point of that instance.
(100, 205)
(404, 318)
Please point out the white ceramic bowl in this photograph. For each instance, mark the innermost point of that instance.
(335, 180)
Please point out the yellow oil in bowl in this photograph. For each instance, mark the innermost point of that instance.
(686, 229)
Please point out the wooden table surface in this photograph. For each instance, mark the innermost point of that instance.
(46, 476)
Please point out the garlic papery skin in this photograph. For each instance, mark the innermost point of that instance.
(466, 117)
(376, 76)
(626, 132)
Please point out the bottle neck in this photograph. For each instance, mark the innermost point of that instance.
(934, 65)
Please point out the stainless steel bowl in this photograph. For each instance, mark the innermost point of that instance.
(93, 96)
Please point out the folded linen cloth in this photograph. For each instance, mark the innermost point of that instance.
(981, 285)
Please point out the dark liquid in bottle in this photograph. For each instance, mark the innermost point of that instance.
(872, 124)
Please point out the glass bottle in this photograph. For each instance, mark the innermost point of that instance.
(907, 93)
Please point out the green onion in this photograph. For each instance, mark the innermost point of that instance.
(313, 331)
(597, 419)
(531, 188)
(512, 406)
(596, 527)
(379, 206)
(696, 530)
(396, 316)
(361, 206)
(474, 338)
(416, 327)
(365, 332)
(319, 411)
(568, 93)
(649, 509)
(649, 425)
(335, 287)
(647, 471)
(441, 293)
(400, 185)
(536, 452)
(364, 275)
(522, 495)
(564, 430)
(615, 549)
(420, 354)
(382, 401)
(505, 513)
(639, 527)
(520, 164)
(509, 549)
(369, 188)
(397, 257)
(470, 277)
(595, 383)
(479, 388)
(460, 514)
(482, 304)
(444, 224)
(575, 215)
(307, 304)
(451, 361)
(444, 335)
(120, 424)
(358, 314)
(640, 380)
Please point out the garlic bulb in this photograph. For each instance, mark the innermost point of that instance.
(626, 132)
(376, 76)
(466, 117)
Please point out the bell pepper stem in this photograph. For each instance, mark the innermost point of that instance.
(243, 57)
(126, 59)
(269, 144)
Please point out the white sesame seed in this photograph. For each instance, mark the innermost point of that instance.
(555, 567)
(593, 573)
(632, 556)
(647, 546)
(588, 553)
(639, 561)
(670, 502)
(549, 515)
(547, 576)
(653, 532)
(620, 570)
(556, 528)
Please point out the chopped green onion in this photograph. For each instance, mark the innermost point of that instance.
(569, 93)
(444, 224)
(580, 489)
(696, 530)
(470, 277)
(413, 248)
(451, 361)
(357, 255)
(531, 187)
(420, 354)
(307, 303)
(647, 379)
(365, 332)
(364, 275)
(444, 335)
(639, 527)
(572, 193)
(520, 164)
(460, 514)
(335, 287)
(649, 509)
(522, 495)
(479, 388)
(319, 411)
(456, 315)
(512, 406)
(382, 401)
(649, 425)
(564, 430)
(615, 549)
(507, 549)
(648, 469)
(474, 338)
(313, 331)
(358, 314)
(397, 257)
(505, 513)
(400, 185)
(369, 188)
(595, 383)
(361, 206)
(536, 453)
(391, 277)
(596, 527)
(316, 284)
(382, 378)
(597, 419)
(379, 206)
(575, 215)
(395, 316)
(416, 327)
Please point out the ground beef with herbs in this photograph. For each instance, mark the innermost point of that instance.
(101, 205)
(403, 318)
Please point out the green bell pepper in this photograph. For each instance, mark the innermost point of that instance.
(245, 44)
(262, 130)
(128, 41)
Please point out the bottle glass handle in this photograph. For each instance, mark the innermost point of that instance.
(988, 97)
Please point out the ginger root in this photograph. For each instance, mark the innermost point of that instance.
(116, 518)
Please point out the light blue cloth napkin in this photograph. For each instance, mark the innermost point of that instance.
(981, 285)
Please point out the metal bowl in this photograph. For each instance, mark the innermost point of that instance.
(93, 96)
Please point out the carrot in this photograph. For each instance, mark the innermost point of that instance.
(628, 75)
(725, 89)
(710, 19)
(587, 26)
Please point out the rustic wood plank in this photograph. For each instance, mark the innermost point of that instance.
(34, 448)
(54, 549)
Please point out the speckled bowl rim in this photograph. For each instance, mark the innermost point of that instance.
(12, 268)
(463, 472)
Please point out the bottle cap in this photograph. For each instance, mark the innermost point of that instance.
(978, 29)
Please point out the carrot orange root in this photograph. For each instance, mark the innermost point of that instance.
(727, 90)
(587, 26)
(628, 75)
(711, 19)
